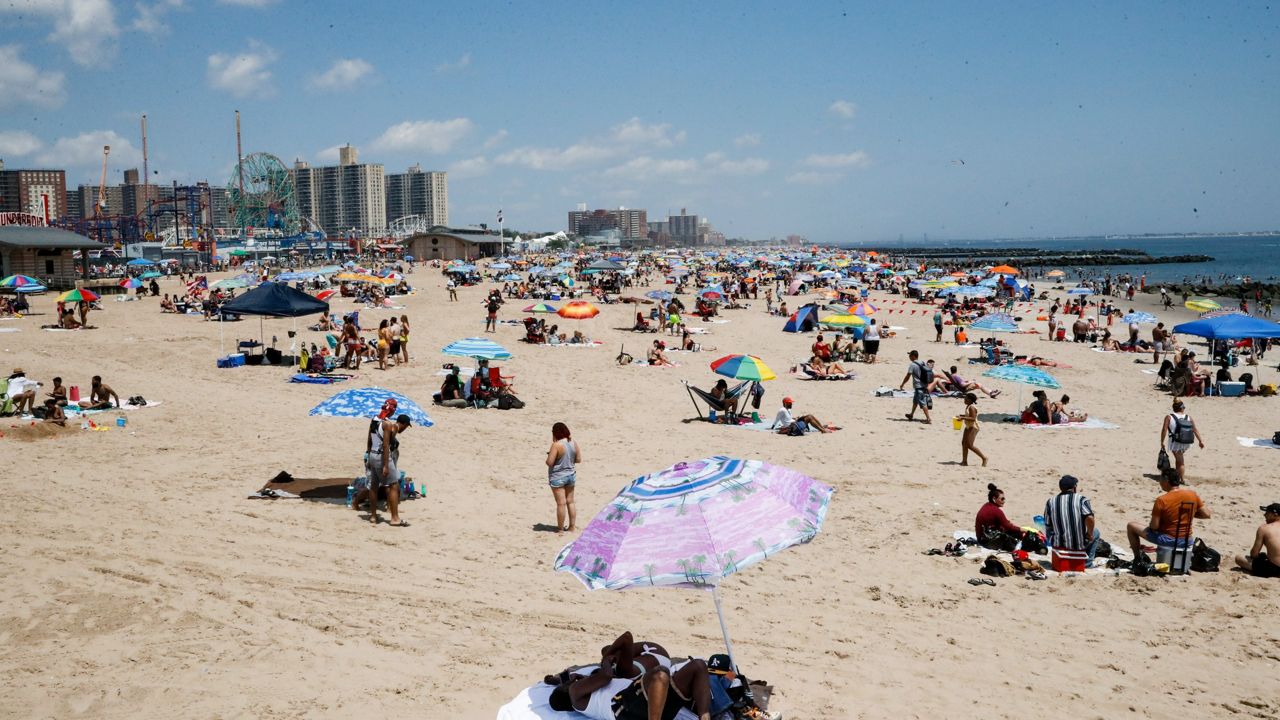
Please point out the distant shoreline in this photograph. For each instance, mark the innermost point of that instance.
(918, 242)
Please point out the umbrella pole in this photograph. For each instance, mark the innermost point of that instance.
(724, 629)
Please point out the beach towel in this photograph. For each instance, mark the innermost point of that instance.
(907, 394)
(73, 411)
(534, 703)
(593, 343)
(644, 362)
(1257, 442)
(1090, 424)
(8, 330)
(318, 378)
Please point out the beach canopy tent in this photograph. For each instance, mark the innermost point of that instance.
(802, 320)
(272, 299)
(605, 265)
(1230, 327)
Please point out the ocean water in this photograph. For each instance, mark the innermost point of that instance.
(1233, 256)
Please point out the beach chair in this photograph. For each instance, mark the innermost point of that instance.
(498, 380)
(808, 371)
(714, 403)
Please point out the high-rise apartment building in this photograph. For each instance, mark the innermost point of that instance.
(415, 192)
(344, 197)
(683, 228)
(628, 223)
(39, 192)
(88, 200)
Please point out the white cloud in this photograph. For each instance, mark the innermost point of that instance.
(809, 177)
(648, 167)
(719, 165)
(84, 153)
(470, 167)
(18, 142)
(686, 170)
(857, 158)
(344, 73)
(747, 140)
(430, 136)
(576, 155)
(150, 19)
(249, 3)
(495, 140)
(22, 83)
(86, 28)
(247, 74)
(843, 109)
(461, 63)
(329, 154)
(635, 132)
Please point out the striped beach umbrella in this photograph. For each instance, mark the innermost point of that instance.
(18, 281)
(474, 347)
(1024, 374)
(995, 322)
(578, 310)
(78, 295)
(540, 308)
(743, 367)
(326, 294)
(863, 308)
(131, 283)
(843, 321)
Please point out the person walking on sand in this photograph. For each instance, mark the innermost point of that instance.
(453, 289)
(920, 377)
(970, 420)
(1181, 432)
(491, 319)
(562, 460)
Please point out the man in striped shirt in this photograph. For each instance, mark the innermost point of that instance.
(1068, 519)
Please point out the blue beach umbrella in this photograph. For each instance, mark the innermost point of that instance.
(995, 322)
(140, 261)
(659, 295)
(1080, 290)
(1024, 374)
(1139, 317)
(367, 403)
(474, 347)
(149, 274)
(500, 266)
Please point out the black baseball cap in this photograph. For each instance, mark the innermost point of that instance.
(404, 419)
(1273, 508)
(719, 663)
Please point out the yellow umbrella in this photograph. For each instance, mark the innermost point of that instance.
(843, 321)
(1202, 305)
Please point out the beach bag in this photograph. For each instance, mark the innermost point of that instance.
(1275, 438)
(1162, 461)
(997, 539)
(1183, 430)
(1033, 542)
(1267, 390)
(509, 402)
(1204, 558)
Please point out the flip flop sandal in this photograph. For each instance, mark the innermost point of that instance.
(934, 551)
(982, 581)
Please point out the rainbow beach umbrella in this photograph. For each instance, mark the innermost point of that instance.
(863, 308)
(78, 295)
(540, 308)
(131, 283)
(18, 281)
(743, 367)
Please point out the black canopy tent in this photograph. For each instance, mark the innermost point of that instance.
(273, 300)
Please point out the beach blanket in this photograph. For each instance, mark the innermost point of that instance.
(593, 343)
(1257, 442)
(1090, 424)
(642, 361)
(75, 411)
(8, 330)
(907, 394)
(716, 321)
(318, 378)
(979, 554)
(697, 331)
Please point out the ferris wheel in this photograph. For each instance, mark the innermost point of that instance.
(269, 199)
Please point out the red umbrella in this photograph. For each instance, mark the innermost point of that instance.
(578, 310)
(325, 294)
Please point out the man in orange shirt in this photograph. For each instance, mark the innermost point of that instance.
(1165, 528)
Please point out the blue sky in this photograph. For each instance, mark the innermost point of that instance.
(837, 121)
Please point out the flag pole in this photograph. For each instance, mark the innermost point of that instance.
(502, 239)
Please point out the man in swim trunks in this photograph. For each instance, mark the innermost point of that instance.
(920, 377)
(1257, 562)
(100, 396)
(658, 693)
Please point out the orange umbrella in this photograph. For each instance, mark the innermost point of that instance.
(578, 310)
(1004, 270)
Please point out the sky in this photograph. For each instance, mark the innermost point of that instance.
(841, 122)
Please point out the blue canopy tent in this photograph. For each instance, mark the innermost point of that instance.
(802, 320)
(271, 299)
(1230, 327)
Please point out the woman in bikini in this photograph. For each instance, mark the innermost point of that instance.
(350, 341)
(404, 339)
(970, 419)
(384, 344)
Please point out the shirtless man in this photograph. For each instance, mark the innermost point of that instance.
(616, 689)
(1257, 562)
(100, 396)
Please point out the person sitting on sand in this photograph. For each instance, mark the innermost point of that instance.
(826, 369)
(59, 392)
(820, 348)
(579, 339)
(1061, 415)
(1109, 343)
(100, 396)
(785, 423)
(642, 324)
(657, 356)
(964, 385)
(1170, 526)
(53, 413)
(1038, 410)
(1260, 562)
(451, 389)
(167, 305)
(991, 527)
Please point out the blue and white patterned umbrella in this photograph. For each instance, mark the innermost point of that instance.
(1139, 317)
(367, 403)
(500, 266)
(969, 290)
(659, 295)
(995, 322)
(1080, 290)
(1025, 374)
(474, 347)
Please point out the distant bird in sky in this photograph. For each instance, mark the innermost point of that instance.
(958, 160)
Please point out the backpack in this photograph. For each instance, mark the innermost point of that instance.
(1204, 558)
(509, 402)
(1183, 430)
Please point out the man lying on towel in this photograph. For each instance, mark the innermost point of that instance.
(635, 681)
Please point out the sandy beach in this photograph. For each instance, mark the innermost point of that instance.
(141, 583)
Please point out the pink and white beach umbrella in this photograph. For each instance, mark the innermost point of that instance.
(695, 523)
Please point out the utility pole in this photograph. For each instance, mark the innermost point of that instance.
(146, 176)
(239, 157)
